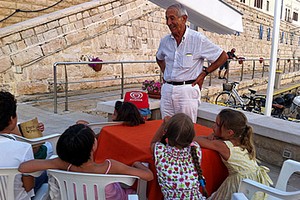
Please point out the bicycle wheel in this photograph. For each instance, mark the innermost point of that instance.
(226, 99)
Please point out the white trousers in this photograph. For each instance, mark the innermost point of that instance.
(180, 99)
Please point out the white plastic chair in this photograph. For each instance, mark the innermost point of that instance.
(249, 187)
(238, 196)
(96, 127)
(40, 140)
(7, 177)
(87, 185)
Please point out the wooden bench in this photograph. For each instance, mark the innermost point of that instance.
(109, 107)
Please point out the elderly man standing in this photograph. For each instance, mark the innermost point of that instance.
(180, 56)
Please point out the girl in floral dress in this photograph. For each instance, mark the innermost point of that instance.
(177, 159)
(232, 138)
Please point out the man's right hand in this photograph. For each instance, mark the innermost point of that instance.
(161, 64)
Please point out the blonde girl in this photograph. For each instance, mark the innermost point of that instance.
(232, 138)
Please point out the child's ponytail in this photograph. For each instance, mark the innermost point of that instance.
(247, 141)
(199, 170)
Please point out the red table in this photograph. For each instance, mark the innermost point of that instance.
(130, 144)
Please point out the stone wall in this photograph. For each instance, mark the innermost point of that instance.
(112, 30)
(33, 9)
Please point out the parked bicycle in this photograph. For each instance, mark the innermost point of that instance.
(230, 97)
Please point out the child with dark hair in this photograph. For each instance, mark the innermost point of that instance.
(232, 138)
(127, 112)
(75, 150)
(12, 152)
(178, 158)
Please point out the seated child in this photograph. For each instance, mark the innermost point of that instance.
(44, 151)
(12, 152)
(75, 149)
(232, 138)
(178, 158)
(126, 112)
(140, 100)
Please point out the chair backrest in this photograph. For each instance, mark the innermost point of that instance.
(96, 127)
(7, 177)
(238, 196)
(288, 168)
(140, 100)
(40, 140)
(249, 188)
(87, 185)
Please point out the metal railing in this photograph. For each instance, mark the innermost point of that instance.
(285, 65)
(260, 67)
(67, 82)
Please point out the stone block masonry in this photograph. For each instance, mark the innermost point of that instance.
(8, 7)
(111, 30)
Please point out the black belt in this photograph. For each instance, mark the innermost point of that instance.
(181, 83)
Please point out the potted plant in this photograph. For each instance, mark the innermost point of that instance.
(261, 60)
(241, 60)
(153, 88)
(97, 66)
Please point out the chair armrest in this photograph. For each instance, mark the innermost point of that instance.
(38, 140)
(97, 127)
(41, 140)
(250, 187)
(101, 124)
(238, 196)
(133, 197)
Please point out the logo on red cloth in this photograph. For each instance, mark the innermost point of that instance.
(138, 98)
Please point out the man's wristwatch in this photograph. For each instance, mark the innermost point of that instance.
(205, 70)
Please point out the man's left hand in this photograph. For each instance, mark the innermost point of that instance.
(200, 80)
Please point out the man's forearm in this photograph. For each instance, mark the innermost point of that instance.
(161, 64)
(220, 61)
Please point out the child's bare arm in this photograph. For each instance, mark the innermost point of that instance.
(216, 144)
(212, 136)
(40, 165)
(28, 182)
(138, 169)
(159, 133)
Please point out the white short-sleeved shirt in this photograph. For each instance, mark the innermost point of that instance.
(185, 61)
(12, 154)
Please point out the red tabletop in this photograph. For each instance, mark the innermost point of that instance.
(129, 144)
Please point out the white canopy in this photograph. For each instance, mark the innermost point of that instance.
(211, 15)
